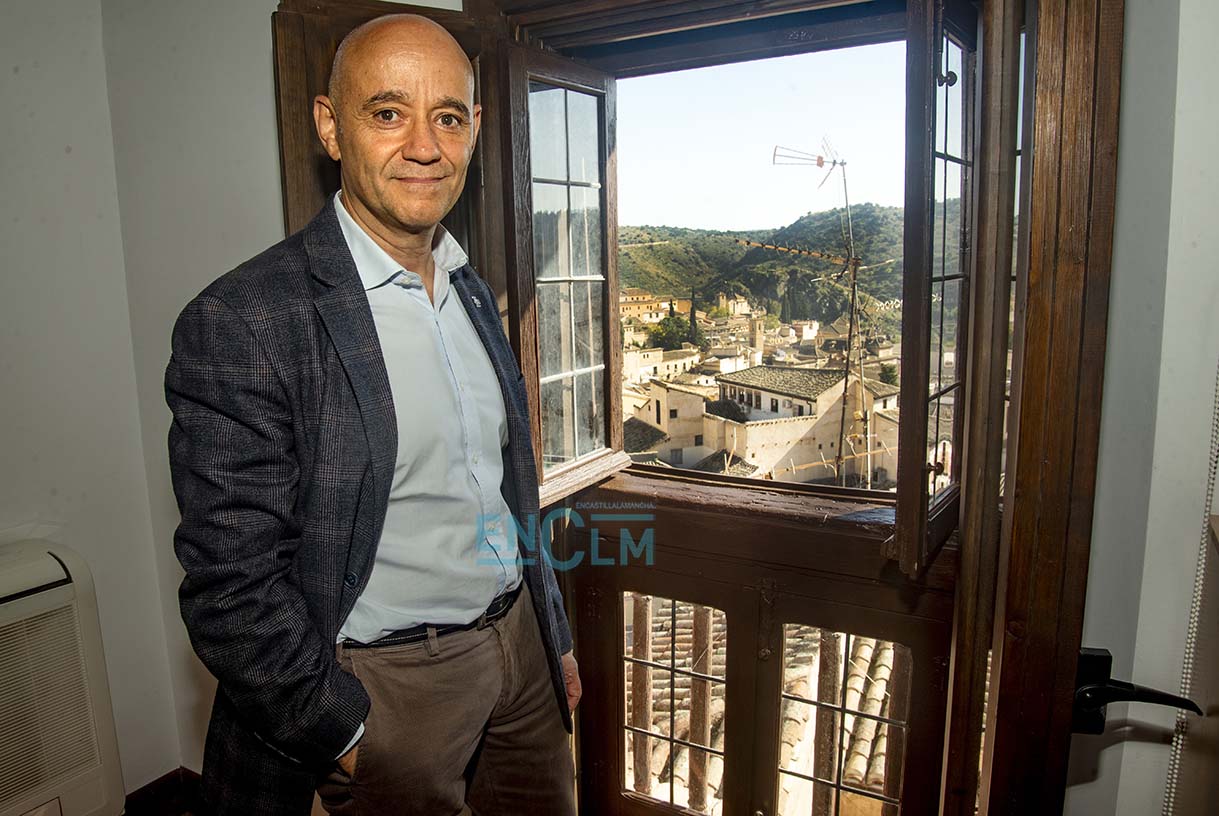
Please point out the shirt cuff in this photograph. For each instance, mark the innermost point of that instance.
(354, 740)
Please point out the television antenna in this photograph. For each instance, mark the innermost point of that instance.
(851, 265)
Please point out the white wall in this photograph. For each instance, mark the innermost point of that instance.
(70, 438)
(192, 98)
(1159, 380)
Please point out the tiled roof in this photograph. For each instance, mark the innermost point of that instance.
(715, 464)
(728, 409)
(881, 389)
(802, 383)
(638, 436)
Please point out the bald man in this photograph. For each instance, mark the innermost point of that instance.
(351, 455)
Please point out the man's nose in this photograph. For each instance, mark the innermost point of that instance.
(421, 144)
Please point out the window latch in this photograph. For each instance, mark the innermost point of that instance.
(1095, 688)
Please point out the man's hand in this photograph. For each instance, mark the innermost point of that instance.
(348, 760)
(571, 679)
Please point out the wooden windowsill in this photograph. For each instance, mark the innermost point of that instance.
(577, 476)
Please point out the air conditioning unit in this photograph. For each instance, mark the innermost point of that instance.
(58, 752)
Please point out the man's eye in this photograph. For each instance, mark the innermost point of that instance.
(385, 115)
(450, 119)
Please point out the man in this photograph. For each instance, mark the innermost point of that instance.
(349, 445)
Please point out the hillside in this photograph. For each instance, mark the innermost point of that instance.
(676, 261)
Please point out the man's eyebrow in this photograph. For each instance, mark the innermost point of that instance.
(402, 98)
(456, 104)
(381, 97)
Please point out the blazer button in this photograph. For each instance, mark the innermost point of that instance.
(351, 580)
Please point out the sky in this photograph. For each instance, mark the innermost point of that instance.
(695, 147)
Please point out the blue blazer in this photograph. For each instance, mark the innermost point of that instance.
(281, 450)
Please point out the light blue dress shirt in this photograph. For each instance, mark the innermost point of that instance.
(449, 543)
(445, 552)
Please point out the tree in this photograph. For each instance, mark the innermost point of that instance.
(888, 373)
(672, 331)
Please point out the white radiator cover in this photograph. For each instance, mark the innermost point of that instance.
(58, 752)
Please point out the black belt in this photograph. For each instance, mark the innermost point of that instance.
(495, 610)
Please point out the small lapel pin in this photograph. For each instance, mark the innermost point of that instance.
(477, 302)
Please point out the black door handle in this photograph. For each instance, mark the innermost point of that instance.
(1095, 689)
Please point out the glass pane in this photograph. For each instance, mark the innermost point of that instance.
(697, 778)
(812, 663)
(586, 231)
(844, 737)
(872, 756)
(554, 327)
(939, 444)
(673, 703)
(946, 240)
(638, 775)
(589, 301)
(796, 796)
(648, 691)
(954, 94)
(558, 414)
(547, 134)
(583, 129)
(856, 803)
(808, 738)
(550, 258)
(945, 319)
(590, 412)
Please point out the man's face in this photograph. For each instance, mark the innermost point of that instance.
(406, 127)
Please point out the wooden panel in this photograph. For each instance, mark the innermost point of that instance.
(910, 536)
(836, 27)
(1060, 349)
(985, 389)
(656, 19)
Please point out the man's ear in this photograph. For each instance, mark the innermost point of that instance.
(326, 120)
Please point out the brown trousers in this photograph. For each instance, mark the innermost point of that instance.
(462, 725)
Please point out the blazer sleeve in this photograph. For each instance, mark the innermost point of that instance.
(235, 475)
(562, 633)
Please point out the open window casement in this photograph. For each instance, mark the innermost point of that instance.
(562, 245)
(940, 66)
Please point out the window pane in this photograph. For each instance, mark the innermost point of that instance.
(796, 796)
(547, 133)
(856, 803)
(945, 317)
(808, 737)
(951, 118)
(583, 128)
(558, 415)
(589, 301)
(674, 704)
(550, 258)
(846, 700)
(554, 324)
(590, 412)
(586, 225)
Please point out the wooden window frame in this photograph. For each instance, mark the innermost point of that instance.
(305, 29)
(1042, 564)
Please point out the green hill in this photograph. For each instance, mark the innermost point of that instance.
(676, 261)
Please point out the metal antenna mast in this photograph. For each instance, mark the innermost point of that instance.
(830, 159)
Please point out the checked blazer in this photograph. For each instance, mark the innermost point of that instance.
(282, 449)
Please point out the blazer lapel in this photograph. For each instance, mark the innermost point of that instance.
(343, 306)
(485, 317)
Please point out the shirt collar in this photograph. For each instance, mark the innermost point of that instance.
(376, 267)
